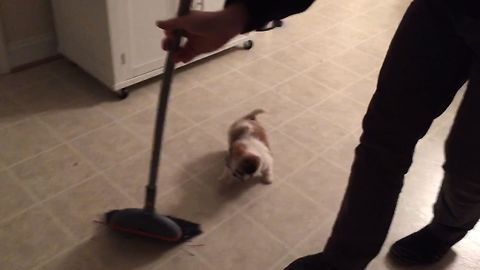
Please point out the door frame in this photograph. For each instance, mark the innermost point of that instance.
(4, 64)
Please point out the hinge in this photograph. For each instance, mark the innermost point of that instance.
(123, 59)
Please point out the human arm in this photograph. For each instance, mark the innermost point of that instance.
(208, 31)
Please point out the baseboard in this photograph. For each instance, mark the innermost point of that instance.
(31, 50)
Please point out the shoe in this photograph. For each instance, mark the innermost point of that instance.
(311, 262)
(422, 247)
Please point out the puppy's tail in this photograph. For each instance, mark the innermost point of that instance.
(253, 114)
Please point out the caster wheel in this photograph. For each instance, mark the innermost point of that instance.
(123, 93)
(247, 45)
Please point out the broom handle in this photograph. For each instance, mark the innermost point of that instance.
(151, 189)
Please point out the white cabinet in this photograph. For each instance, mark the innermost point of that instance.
(117, 41)
(208, 5)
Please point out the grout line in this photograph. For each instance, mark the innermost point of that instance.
(276, 264)
(239, 212)
(58, 255)
(202, 83)
(40, 202)
(200, 123)
(193, 252)
(365, 76)
(63, 141)
(309, 236)
(114, 121)
(308, 198)
(234, 69)
(343, 94)
(309, 107)
(51, 149)
(281, 181)
(118, 121)
(21, 109)
(9, 125)
(232, 215)
(22, 186)
(57, 221)
(97, 172)
(152, 105)
(265, 230)
(241, 208)
(328, 148)
(133, 200)
(125, 194)
(101, 172)
(272, 86)
(63, 252)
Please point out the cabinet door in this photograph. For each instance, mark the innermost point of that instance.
(143, 38)
(144, 52)
(208, 5)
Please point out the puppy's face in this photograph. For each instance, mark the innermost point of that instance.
(244, 167)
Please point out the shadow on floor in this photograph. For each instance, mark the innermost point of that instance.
(205, 199)
(229, 188)
(442, 264)
(109, 250)
(73, 89)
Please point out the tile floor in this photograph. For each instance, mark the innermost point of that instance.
(70, 151)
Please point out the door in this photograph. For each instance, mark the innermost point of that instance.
(208, 5)
(212, 5)
(144, 52)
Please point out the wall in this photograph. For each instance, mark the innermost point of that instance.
(4, 66)
(28, 29)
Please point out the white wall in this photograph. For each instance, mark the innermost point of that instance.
(4, 66)
(28, 29)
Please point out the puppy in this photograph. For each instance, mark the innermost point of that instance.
(249, 151)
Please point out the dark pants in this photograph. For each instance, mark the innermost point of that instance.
(434, 52)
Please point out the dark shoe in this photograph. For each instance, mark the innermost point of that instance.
(311, 262)
(422, 247)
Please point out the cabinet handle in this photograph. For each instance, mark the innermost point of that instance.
(199, 5)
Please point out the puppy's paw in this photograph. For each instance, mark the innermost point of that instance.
(267, 176)
(266, 180)
(223, 176)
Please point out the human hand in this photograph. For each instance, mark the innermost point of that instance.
(205, 31)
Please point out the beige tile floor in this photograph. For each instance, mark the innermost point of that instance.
(70, 151)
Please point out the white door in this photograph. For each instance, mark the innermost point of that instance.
(144, 51)
(208, 5)
(213, 5)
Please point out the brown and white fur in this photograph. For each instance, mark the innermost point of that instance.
(249, 152)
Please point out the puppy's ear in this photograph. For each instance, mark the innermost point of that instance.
(250, 164)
